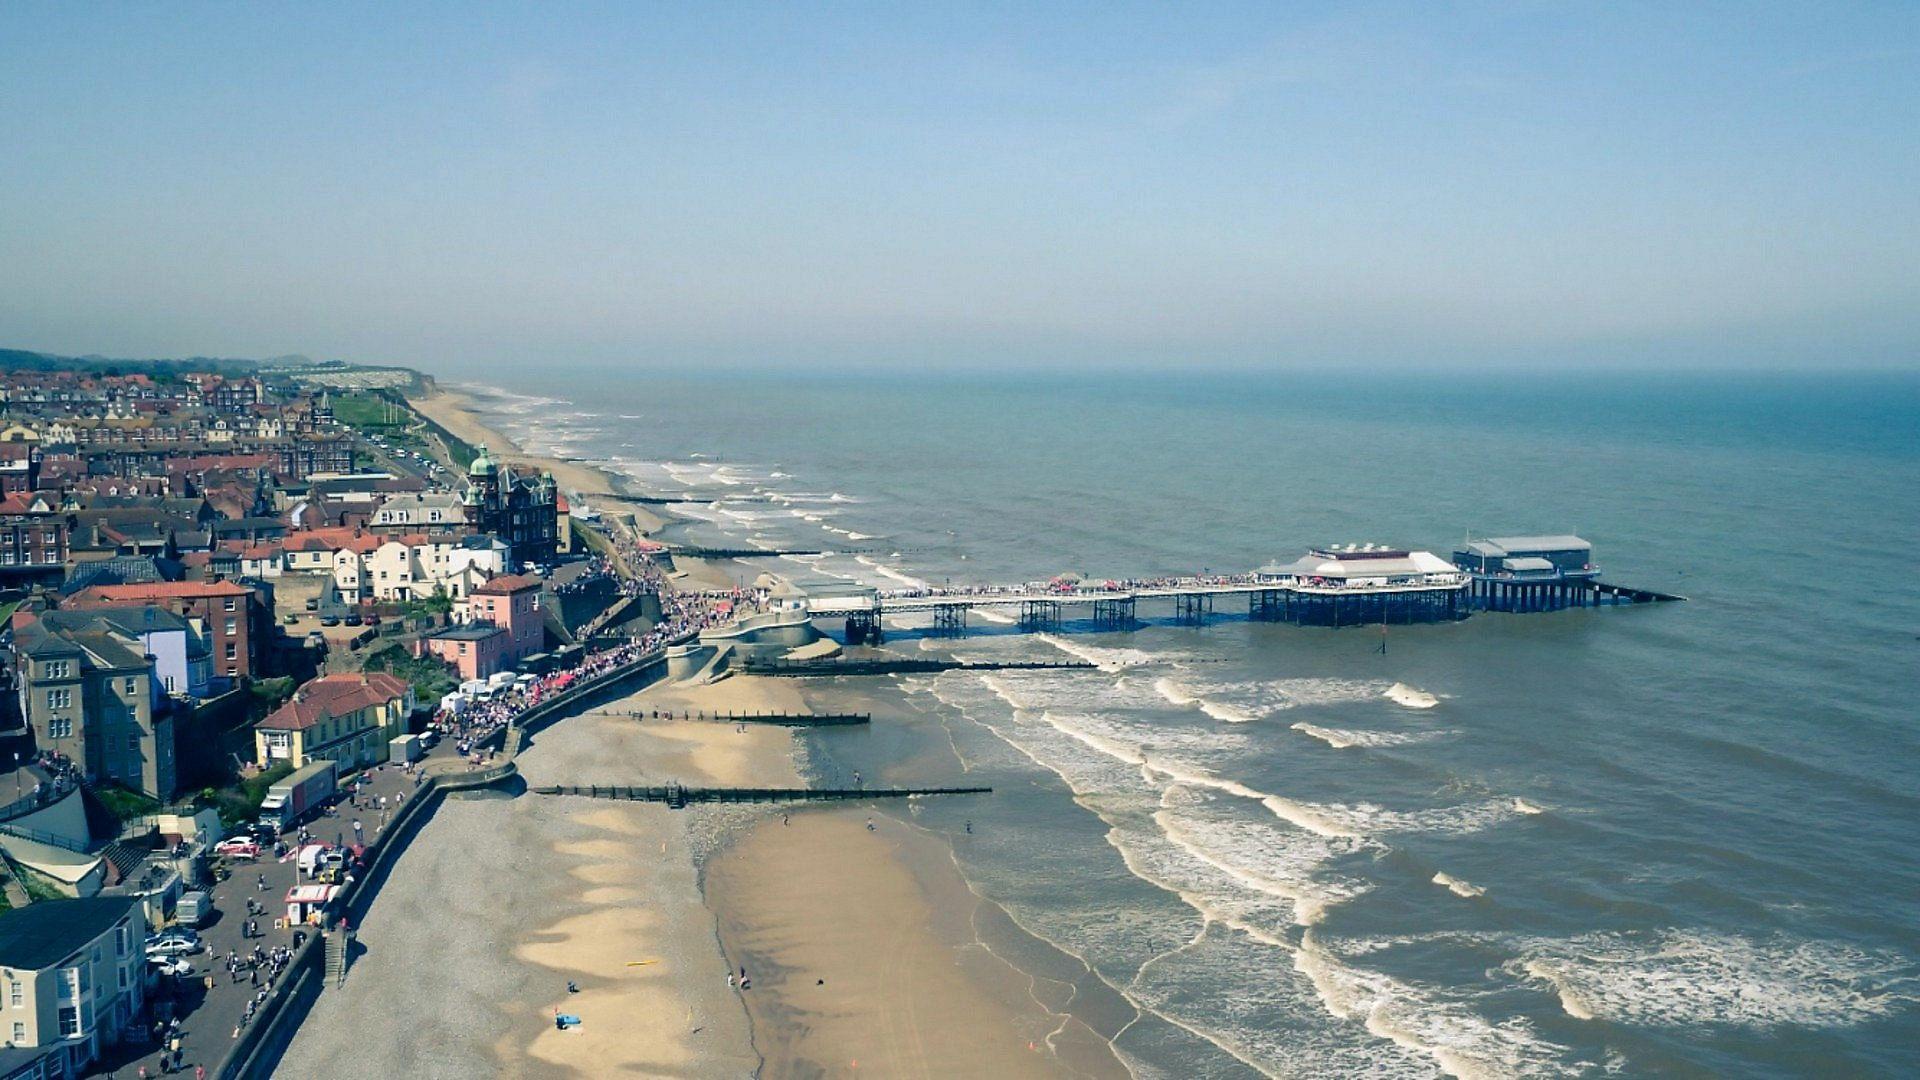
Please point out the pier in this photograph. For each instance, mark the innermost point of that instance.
(678, 796)
(1335, 586)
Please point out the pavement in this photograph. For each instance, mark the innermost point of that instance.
(209, 1003)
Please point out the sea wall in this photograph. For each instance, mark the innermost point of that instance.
(258, 1049)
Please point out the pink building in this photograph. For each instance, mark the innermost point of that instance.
(511, 602)
(477, 649)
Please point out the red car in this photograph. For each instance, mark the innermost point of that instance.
(238, 847)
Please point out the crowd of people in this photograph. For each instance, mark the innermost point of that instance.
(1071, 586)
(263, 968)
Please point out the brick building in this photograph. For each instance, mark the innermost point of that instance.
(235, 618)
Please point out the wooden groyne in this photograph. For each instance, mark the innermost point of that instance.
(779, 719)
(678, 796)
(897, 666)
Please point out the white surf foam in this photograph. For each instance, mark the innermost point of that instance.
(1343, 738)
(1460, 1041)
(1105, 659)
(1522, 806)
(1687, 978)
(889, 572)
(1456, 886)
(1412, 698)
(1175, 693)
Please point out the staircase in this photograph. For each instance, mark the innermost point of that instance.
(335, 944)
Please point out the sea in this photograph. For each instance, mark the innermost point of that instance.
(1664, 840)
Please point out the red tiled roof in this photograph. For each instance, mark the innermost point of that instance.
(334, 695)
(507, 585)
(95, 595)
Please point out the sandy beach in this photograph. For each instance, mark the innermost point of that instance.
(454, 410)
(861, 946)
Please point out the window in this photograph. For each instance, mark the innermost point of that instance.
(59, 729)
(51, 557)
(232, 626)
(69, 1022)
(133, 741)
(19, 1033)
(231, 653)
(132, 686)
(61, 698)
(59, 669)
(16, 994)
(229, 604)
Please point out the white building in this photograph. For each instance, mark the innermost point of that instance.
(73, 972)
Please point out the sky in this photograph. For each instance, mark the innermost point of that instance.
(1098, 186)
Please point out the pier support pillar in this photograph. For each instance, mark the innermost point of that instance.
(1266, 606)
(1114, 614)
(863, 627)
(1040, 614)
(1192, 609)
(950, 620)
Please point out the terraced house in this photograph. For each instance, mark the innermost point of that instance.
(348, 719)
(87, 690)
(73, 973)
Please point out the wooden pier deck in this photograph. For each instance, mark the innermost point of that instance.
(678, 796)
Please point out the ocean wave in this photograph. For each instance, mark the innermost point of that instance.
(1421, 1018)
(1108, 660)
(1687, 978)
(887, 571)
(1369, 819)
(1264, 697)
(1456, 886)
(1343, 738)
(1402, 694)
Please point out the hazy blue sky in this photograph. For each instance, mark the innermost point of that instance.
(460, 186)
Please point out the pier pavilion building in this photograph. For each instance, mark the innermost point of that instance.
(1363, 584)
(1529, 573)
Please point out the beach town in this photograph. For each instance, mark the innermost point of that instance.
(265, 629)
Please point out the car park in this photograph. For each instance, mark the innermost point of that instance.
(238, 847)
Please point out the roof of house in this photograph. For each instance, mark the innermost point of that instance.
(334, 695)
(157, 590)
(508, 584)
(41, 935)
(468, 632)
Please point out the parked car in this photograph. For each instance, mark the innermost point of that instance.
(313, 604)
(173, 933)
(329, 620)
(173, 946)
(353, 618)
(238, 847)
(170, 965)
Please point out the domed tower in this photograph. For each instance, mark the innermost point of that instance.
(481, 499)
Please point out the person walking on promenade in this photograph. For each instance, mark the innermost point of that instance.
(359, 834)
